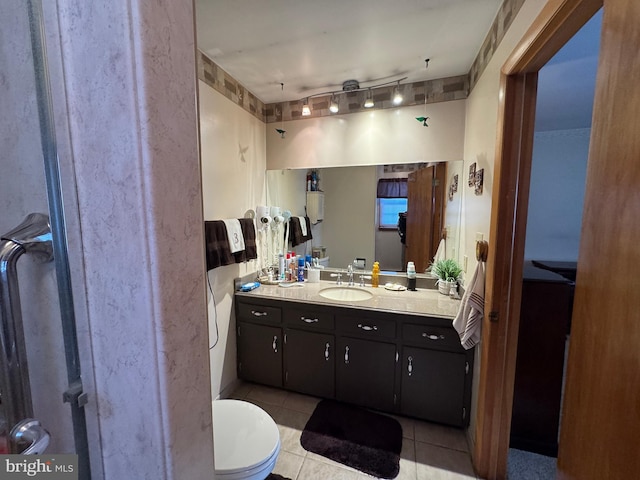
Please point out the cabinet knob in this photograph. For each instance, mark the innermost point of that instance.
(275, 344)
(309, 320)
(256, 313)
(326, 351)
(410, 366)
(346, 354)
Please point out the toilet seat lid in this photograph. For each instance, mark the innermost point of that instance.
(245, 436)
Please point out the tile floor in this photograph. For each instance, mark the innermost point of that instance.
(429, 451)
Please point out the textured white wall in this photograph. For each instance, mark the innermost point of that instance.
(371, 138)
(348, 229)
(556, 196)
(480, 147)
(130, 78)
(233, 181)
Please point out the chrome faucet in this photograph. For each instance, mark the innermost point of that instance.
(350, 274)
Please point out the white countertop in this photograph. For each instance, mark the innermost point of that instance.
(427, 302)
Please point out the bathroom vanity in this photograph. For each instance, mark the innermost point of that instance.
(396, 351)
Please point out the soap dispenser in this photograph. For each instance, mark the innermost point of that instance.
(375, 274)
(411, 276)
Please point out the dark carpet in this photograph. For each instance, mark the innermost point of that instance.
(275, 476)
(355, 437)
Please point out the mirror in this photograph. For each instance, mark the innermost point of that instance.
(350, 228)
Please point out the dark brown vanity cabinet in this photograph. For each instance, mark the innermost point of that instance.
(260, 343)
(365, 373)
(436, 374)
(310, 362)
(433, 385)
(260, 351)
(366, 360)
(392, 362)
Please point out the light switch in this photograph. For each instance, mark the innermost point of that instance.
(479, 236)
(465, 261)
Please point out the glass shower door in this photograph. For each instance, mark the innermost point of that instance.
(30, 184)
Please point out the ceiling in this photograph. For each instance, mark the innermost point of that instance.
(313, 46)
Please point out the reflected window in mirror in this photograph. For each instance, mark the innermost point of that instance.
(389, 210)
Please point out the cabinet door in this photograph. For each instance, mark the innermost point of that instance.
(310, 362)
(365, 373)
(260, 354)
(433, 385)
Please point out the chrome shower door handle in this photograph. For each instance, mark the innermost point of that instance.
(30, 431)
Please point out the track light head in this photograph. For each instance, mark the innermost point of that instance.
(397, 96)
(423, 120)
(368, 103)
(281, 132)
(306, 111)
(333, 105)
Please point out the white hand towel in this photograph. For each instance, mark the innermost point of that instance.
(441, 252)
(468, 321)
(303, 225)
(234, 233)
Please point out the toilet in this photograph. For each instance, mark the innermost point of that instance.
(246, 441)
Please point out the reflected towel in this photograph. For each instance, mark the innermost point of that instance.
(303, 226)
(468, 321)
(295, 228)
(234, 234)
(441, 252)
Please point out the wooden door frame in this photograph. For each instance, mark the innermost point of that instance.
(558, 21)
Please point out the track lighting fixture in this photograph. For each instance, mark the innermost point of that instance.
(333, 105)
(397, 96)
(368, 103)
(423, 120)
(306, 111)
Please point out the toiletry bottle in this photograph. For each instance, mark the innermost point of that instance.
(293, 269)
(375, 275)
(308, 181)
(281, 266)
(411, 276)
(301, 269)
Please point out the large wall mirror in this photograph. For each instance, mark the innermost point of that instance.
(357, 224)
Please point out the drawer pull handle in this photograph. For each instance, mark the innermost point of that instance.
(256, 313)
(431, 336)
(410, 366)
(275, 344)
(346, 354)
(367, 328)
(309, 320)
(326, 351)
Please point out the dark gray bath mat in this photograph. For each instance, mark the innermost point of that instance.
(355, 437)
(275, 476)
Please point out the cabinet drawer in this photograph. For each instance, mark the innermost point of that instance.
(369, 327)
(260, 313)
(309, 318)
(432, 337)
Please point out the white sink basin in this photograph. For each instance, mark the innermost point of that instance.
(346, 294)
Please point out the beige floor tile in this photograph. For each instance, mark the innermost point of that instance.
(315, 470)
(440, 435)
(290, 424)
(272, 396)
(288, 465)
(241, 391)
(300, 403)
(408, 469)
(272, 410)
(407, 424)
(439, 463)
